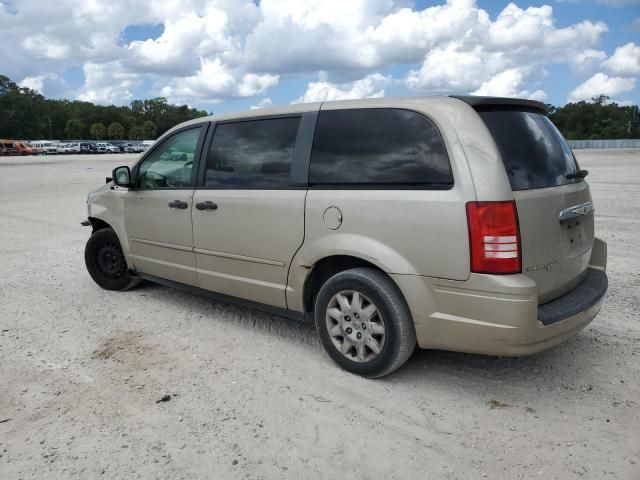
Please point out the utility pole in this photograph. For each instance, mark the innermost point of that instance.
(50, 131)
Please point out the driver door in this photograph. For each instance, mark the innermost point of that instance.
(158, 209)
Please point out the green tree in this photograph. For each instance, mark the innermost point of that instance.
(74, 128)
(135, 133)
(22, 112)
(115, 131)
(598, 119)
(25, 114)
(98, 131)
(148, 130)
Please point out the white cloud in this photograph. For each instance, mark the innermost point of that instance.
(214, 81)
(371, 86)
(508, 84)
(522, 39)
(601, 84)
(264, 103)
(107, 83)
(48, 83)
(587, 59)
(217, 50)
(625, 61)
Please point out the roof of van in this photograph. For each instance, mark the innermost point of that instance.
(384, 102)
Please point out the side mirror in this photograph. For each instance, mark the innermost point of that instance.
(122, 176)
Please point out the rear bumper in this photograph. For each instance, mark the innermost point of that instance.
(500, 315)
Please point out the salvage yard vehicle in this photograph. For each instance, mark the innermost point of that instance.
(8, 148)
(45, 147)
(88, 147)
(105, 147)
(457, 223)
(24, 149)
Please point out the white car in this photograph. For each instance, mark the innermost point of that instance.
(104, 147)
(62, 148)
(147, 144)
(73, 148)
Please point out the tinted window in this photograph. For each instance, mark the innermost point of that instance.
(171, 164)
(378, 146)
(252, 154)
(532, 149)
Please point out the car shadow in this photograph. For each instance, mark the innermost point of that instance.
(566, 366)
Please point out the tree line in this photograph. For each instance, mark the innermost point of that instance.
(598, 119)
(26, 114)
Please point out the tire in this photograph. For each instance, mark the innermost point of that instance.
(342, 324)
(106, 262)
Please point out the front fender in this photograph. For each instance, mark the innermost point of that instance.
(107, 204)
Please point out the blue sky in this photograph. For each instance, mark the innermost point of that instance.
(224, 55)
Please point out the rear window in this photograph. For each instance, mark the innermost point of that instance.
(534, 153)
(379, 146)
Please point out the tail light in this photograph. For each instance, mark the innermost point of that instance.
(494, 237)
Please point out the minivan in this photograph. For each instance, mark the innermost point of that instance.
(455, 223)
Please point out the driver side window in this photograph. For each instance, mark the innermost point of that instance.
(170, 165)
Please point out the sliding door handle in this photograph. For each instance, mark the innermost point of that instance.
(178, 204)
(206, 206)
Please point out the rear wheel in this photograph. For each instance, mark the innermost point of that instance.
(106, 262)
(364, 323)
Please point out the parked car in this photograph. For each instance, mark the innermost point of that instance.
(9, 148)
(125, 147)
(147, 144)
(138, 147)
(44, 146)
(63, 148)
(104, 147)
(4, 151)
(24, 149)
(88, 147)
(457, 223)
(73, 148)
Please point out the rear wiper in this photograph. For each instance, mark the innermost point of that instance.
(578, 174)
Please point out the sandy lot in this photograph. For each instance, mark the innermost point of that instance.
(255, 396)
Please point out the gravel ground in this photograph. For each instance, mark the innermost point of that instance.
(83, 371)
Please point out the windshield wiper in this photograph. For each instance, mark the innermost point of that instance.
(578, 174)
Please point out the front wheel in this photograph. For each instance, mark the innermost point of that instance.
(364, 323)
(106, 262)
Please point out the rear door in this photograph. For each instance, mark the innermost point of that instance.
(554, 206)
(248, 219)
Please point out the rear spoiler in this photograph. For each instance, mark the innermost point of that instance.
(481, 103)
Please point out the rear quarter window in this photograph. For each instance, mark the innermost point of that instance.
(534, 153)
(378, 147)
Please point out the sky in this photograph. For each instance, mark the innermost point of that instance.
(232, 55)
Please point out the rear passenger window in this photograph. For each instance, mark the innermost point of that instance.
(252, 154)
(380, 146)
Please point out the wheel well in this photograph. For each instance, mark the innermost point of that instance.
(98, 224)
(325, 269)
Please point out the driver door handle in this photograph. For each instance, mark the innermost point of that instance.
(178, 204)
(208, 205)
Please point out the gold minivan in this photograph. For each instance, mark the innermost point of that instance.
(456, 223)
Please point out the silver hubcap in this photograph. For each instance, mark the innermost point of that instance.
(355, 326)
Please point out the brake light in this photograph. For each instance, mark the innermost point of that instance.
(494, 237)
